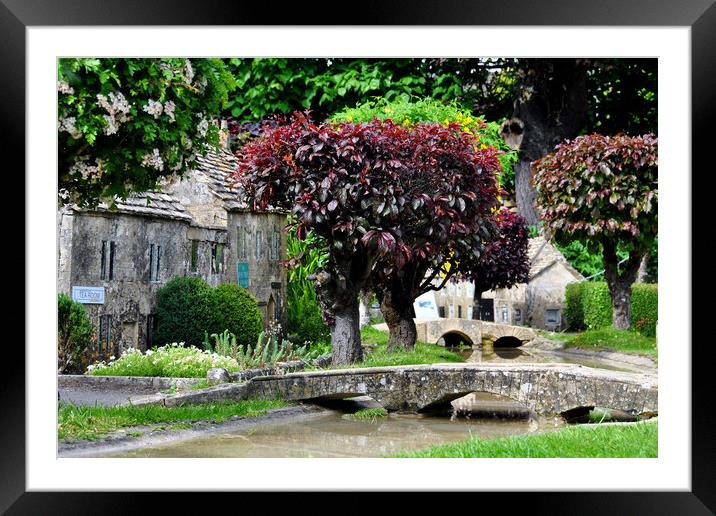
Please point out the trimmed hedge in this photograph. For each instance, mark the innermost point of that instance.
(237, 311)
(187, 307)
(589, 306)
(645, 308)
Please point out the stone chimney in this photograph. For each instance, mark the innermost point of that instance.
(224, 135)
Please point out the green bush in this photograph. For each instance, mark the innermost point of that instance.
(236, 310)
(573, 305)
(185, 308)
(597, 305)
(588, 305)
(74, 334)
(645, 308)
(304, 321)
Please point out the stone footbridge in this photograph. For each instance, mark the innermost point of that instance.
(472, 332)
(546, 389)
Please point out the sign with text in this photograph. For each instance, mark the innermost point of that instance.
(88, 295)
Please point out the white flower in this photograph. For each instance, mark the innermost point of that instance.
(154, 108)
(169, 109)
(149, 352)
(188, 73)
(87, 171)
(63, 87)
(203, 127)
(153, 160)
(68, 125)
(117, 109)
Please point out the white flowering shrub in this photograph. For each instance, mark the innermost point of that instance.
(173, 360)
(124, 125)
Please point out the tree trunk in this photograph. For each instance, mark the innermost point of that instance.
(620, 283)
(642, 274)
(345, 336)
(525, 194)
(399, 315)
(364, 308)
(476, 304)
(552, 107)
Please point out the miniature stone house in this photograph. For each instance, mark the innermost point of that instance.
(126, 255)
(196, 226)
(539, 303)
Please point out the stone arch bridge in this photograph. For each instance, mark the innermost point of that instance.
(546, 389)
(473, 332)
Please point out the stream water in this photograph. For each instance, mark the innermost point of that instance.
(332, 435)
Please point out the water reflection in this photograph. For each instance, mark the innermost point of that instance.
(332, 436)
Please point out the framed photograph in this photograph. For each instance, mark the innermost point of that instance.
(37, 33)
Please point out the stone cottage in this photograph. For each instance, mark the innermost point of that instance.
(539, 303)
(114, 261)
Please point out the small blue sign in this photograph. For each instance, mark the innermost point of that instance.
(242, 274)
(88, 295)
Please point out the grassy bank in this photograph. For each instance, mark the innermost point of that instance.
(423, 353)
(611, 339)
(76, 422)
(598, 441)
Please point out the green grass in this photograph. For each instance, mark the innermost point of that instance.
(611, 339)
(600, 441)
(380, 356)
(369, 414)
(76, 422)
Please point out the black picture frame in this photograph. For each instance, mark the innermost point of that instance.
(700, 15)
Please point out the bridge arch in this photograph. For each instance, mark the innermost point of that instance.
(507, 341)
(455, 338)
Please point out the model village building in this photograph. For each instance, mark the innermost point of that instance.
(114, 261)
(539, 303)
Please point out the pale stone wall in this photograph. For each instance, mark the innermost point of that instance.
(196, 195)
(456, 299)
(267, 275)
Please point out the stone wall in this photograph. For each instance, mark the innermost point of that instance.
(208, 254)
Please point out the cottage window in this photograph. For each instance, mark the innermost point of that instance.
(194, 255)
(104, 333)
(155, 256)
(441, 311)
(518, 316)
(552, 316)
(469, 311)
(459, 311)
(275, 245)
(217, 258)
(241, 243)
(259, 244)
(505, 314)
(107, 260)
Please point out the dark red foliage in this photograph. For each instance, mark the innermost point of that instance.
(504, 262)
(599, 188)
(398, 193)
